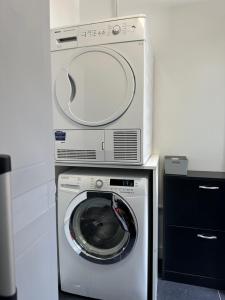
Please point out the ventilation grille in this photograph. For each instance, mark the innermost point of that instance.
(125, 145)
(76, 154)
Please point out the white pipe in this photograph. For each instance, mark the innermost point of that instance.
(116, 8)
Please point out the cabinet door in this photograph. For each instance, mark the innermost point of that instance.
(195, 202)
(195, 252)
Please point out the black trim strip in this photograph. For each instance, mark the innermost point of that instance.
(5, 165)
(101, 194)
(13, 297)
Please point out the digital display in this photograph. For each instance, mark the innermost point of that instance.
(121, 182)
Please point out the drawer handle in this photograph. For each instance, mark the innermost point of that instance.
(204, 187)
(211, 237)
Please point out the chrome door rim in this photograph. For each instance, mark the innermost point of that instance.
(80, 250)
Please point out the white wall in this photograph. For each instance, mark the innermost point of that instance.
(72, 12)
(92, 10)
(64, 13)
(189, 46)
(26, 134)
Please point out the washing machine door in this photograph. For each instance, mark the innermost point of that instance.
(96, 87)
(100, 226)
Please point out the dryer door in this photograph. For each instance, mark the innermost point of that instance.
(96, 87)
(100, 226)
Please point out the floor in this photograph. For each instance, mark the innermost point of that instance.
(173, 291)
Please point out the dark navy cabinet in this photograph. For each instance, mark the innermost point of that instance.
(194, 228)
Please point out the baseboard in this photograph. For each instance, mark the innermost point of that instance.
(194, 280)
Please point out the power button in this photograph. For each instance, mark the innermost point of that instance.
(116, 29)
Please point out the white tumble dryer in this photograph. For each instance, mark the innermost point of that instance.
(103, 234)
(102, 90)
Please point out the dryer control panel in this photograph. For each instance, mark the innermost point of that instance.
(106, 32)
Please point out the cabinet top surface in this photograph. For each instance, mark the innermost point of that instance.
(201, 174)
(151, 164)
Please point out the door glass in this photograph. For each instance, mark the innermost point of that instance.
(101, 227)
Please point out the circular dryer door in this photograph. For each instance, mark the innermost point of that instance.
(100, 226)
(96, 88)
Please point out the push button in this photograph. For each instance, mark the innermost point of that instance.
(99, 183)
(116, 29)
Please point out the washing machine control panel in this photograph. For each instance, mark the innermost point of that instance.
(114, 184)
(120, 185)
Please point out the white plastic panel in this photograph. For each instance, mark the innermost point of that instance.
(115, 30)
(64, 39)
(30, 234)
(36, 258)
(25, 92)
(127, 29)
(36, 203)
(123, 146)
(81, 145)
(97, 88)
(26, 179)
(26, 131)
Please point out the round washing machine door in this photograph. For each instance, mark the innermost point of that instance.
(100, 226)
(96, 87)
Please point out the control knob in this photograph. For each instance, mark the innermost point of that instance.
(116, 29)
(99, 183)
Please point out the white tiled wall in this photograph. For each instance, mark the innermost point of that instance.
(26, 134)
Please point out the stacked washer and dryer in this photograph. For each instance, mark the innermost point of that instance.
(102, 87)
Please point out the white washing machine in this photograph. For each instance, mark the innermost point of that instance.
(102, 90)
(103, 234)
